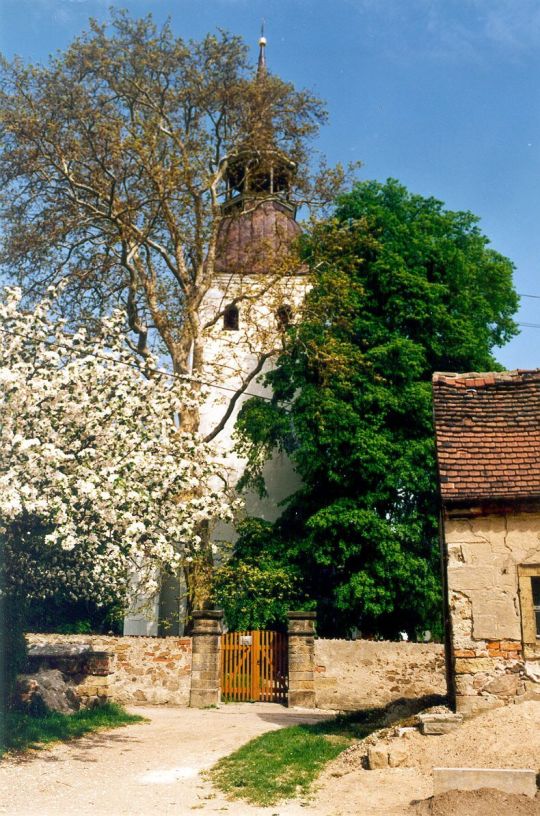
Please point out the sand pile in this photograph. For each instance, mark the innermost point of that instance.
(506, 737)
(484, 802)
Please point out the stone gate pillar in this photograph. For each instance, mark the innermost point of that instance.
(206, 666)
(301, 631)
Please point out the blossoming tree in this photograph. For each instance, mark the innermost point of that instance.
(99, 488)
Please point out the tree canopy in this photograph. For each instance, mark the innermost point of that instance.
(98, 485)
(114, 159)
(402, 287)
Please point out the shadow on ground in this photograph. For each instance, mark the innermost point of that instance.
(394, 712)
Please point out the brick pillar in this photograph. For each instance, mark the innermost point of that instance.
(206, 666)
(301, 633)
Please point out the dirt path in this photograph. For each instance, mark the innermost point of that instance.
(153, 769)
(141, 770)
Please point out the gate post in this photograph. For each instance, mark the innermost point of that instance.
(301, 632)
(206, 666)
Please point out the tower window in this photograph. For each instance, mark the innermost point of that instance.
(231, 318)
(284, 316)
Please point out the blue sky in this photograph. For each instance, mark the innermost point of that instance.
(443, 95)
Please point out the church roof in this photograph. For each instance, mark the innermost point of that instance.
(255, 240)
(488, 435)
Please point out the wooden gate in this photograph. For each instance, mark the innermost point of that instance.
(254, 667)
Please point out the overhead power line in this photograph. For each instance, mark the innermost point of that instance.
(159, 371)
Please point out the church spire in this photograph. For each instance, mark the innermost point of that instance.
(261, 65)
(256, 167)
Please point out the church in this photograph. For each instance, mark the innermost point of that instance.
(256, 291)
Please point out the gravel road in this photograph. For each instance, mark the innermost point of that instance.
(143, 769)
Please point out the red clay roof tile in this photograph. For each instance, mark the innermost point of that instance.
(488, 435)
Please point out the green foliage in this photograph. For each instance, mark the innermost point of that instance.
(13, 651)
(22, 731)
(66, 616)
(254, 591)
(402, 288)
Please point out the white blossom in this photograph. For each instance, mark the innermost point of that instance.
(93, 466)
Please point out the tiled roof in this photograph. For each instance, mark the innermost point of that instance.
(488, 435)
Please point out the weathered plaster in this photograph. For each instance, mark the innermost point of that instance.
(483, 557)
(355, 674)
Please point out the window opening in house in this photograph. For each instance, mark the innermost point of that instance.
(231, 318)
(535, 586)
(284, 316)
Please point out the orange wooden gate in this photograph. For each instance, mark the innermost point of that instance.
(254, 667)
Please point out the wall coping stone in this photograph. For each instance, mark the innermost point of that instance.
(62, 650)
(208, 614)
(301, 615)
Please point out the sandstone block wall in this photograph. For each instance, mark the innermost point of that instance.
(355, 674)
(145, 670)
(301, 651)
(490, 665)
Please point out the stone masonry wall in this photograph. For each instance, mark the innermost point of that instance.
(347, 675)
(355, 674)
(146, 670)
(489, 664)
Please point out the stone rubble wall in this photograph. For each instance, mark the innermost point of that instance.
(490, 668)
(145, 670)
(341, 675)
(356, 674)
(67, 673)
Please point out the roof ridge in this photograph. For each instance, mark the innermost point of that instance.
(480, 378)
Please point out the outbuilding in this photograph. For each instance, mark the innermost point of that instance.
(488, 450)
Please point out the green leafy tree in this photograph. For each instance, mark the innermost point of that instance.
(402, 287)
(253, 589)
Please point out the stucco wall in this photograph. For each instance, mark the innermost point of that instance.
(483, 556)
(354, 674)
(146, 670)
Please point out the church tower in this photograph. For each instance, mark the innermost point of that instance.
(256, 291)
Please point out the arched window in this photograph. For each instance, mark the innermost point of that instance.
(284, 316)
(231, 318)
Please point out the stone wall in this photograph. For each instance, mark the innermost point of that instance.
(301, 659)
(338, 674)
(491, 663)
(146, 670)
(355, 674)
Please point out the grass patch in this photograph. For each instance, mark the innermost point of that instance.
(283, 764)
(19, 732)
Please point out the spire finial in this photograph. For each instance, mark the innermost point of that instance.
(261, 66)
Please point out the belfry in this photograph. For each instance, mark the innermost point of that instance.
(259, 284)
(259, 224)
